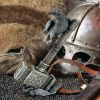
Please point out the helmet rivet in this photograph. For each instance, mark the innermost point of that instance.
(98, 46)
(70, 51)
(85, 43)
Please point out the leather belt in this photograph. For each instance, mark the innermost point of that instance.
(79, 74)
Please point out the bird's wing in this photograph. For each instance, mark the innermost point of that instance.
(49, 25)
(62, 25)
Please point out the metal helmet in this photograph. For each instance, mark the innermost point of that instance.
(84, 43)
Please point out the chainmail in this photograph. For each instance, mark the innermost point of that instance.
(11, 90)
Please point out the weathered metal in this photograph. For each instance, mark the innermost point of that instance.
(38, 78)
(84, 43)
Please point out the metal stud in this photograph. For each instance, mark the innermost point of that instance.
(85, 43)
(98, 46)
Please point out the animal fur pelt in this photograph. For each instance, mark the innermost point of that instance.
(21, 24)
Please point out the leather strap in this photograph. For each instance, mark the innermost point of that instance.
(80, 77)
(81, 66)
(62, 90)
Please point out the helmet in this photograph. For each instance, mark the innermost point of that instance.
(84, 43)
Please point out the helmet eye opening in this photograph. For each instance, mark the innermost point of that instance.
(81, 57)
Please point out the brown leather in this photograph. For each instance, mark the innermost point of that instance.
(81, 66)
(67, 91)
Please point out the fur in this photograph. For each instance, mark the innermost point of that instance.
(21, 25)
